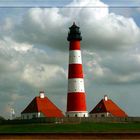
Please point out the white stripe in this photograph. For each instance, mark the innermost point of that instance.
(76, 85)
(75, 57)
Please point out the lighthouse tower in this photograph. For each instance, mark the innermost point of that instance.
(76, 98)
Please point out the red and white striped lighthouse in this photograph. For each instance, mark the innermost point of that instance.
(76, 98)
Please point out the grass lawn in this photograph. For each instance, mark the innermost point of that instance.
(61, 128)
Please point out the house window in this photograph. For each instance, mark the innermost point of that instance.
(75, 115)
(33, 116)
(27, 116)
(102, 115)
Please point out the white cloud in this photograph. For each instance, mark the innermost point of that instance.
(11, 44)
(41, 75)
(8, 24)
(100, 29)
(117, 68)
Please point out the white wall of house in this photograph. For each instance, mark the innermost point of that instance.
(106, 114)
(32, 115)
(77, 114)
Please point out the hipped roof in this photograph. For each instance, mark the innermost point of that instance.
(43, 105)
(108, 106)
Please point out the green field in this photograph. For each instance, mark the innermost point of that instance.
(61, 128)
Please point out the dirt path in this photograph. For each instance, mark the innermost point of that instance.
(67, 136)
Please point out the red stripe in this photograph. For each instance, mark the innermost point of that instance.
(74, 45)
(75, 71)
(76, 102)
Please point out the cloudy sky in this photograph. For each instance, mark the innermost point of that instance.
(34, 51)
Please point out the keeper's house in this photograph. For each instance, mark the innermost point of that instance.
(107, 108)
(41, 106)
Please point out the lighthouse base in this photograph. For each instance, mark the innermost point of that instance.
(77, 114)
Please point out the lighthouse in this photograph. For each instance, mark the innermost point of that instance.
(76, 97)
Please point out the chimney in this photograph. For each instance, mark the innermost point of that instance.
(41, 94)
(105, 97)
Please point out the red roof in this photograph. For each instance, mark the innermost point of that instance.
(45, 106)
(108, 106)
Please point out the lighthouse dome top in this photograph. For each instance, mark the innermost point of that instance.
(74, 33)
(74, 26)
